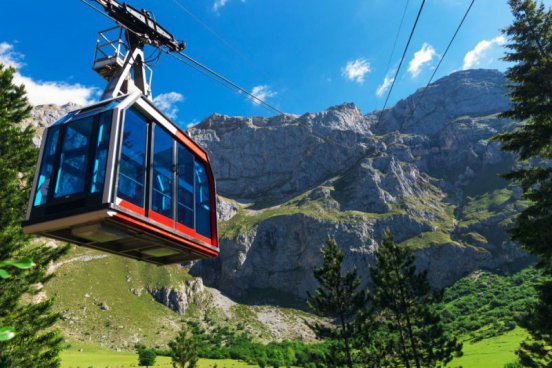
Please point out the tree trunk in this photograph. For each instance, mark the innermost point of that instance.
(412, 340)
(346, 338)
(403, 342)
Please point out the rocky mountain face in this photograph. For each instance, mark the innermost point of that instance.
(426, 170)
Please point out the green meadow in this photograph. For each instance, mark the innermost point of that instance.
(93, 357)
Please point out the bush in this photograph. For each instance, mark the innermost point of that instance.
(146, 357)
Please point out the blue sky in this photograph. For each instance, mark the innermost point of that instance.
(300, 55)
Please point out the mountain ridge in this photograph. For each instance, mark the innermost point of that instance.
(294, 181)
(287, 181)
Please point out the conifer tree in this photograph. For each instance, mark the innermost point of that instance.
(409, 329)
(530, 91)
(36, 344)
(183, 350)
(338, 297)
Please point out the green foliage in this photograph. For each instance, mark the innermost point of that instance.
(36, 344)
(536, 351)
(485, 304)
(339, 298)
(408, 327)
(146, 357)
(514, 364)
(530, 91)
(22, 264)
(227, 343)
(7, 332)
(183, 350)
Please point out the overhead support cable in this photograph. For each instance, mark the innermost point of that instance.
(194, 64)
(396, 38)
(229, 82)
(203, 69)
(217, 35)
(448, 46)
(402, 57)
(442, 58)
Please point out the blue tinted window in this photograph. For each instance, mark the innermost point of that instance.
(71, 175)
(133, 159)
(185, 210)
(161, 197)
(100, 159)
(202, 201)
(48, 157)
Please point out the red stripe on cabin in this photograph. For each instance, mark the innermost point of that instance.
(132, 207)
(186, 230)
(191, 145)
(161, 219)
(213, 203)
(145, 226)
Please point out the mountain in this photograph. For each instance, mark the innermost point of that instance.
(424, 168)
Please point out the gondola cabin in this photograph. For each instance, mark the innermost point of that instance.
(120, 177)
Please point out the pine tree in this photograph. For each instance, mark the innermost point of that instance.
(35, 344)
(340, 298)
(530, 91)
(183, 350)
(409, 329)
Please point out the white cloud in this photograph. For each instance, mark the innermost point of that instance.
(219, 4)
(9, 57)
(263, 92)
(193, 123)
(45, 92)
(384, 86)
(166, 103)
(355, 70)
(480, 54)
(421, 57)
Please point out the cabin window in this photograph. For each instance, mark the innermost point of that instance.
(48, 158)
(102, 146)
(162, 186)
(202, 201)
(133, 159)
(185, 208)
(71, 173)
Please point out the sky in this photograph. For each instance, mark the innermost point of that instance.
(299, 55)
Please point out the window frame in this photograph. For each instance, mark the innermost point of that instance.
(147, 146)
(194, 159)
(51, 199)
(150, 172)
(146, 212)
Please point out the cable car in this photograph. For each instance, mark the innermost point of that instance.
(119, 176)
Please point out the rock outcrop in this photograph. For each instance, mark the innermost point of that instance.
(180, 297)
(426, 170)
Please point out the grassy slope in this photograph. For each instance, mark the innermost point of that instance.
(80, 287)
(484, 305)
(491, 353)
(244, 220)
(86, 279)
(482, 309)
